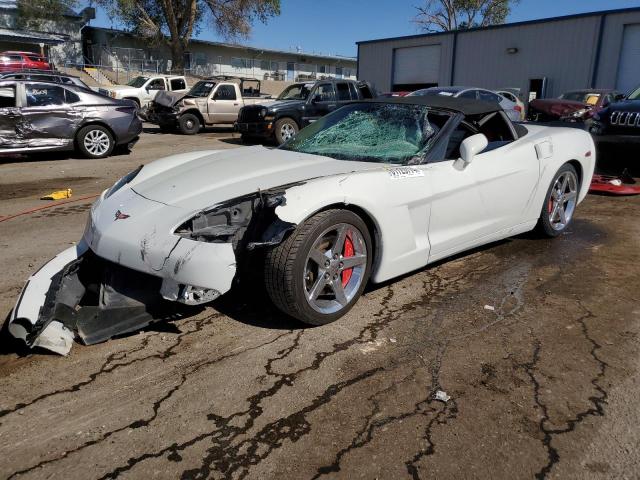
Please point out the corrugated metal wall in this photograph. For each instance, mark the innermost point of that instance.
(564, 51)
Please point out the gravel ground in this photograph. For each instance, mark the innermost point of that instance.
(544, 385)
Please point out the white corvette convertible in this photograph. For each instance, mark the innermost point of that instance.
(373, 191)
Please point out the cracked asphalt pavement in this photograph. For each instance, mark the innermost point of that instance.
(543, 385)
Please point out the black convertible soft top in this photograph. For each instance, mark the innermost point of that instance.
(462, 105)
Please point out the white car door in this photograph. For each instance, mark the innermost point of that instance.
(152, 88)
(473, 203)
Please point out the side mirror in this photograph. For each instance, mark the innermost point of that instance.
(472, 146)
(620, 96)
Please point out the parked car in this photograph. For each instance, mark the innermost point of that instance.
(41, 76)
(297, 106)
(13, 60)
(618, 122)
(573, 106)
(46, 116)
(143, 89)
(509, 95)
(214, 101)
(371, 191)
(472, 93)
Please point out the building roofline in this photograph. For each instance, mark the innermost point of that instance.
(242, 47)
(504, 25)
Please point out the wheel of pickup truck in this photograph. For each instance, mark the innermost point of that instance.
(95, 141)
(189, 124)
(286, 129)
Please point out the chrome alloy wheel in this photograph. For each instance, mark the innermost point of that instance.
(96, 142)
(335, 268)
(189, 124)
(287, 131)
(562, 201)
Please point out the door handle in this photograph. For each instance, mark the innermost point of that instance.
(235, 104)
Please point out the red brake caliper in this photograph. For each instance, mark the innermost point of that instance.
(348, 252)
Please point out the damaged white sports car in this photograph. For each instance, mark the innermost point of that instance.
(370, 192)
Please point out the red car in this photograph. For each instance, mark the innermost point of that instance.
(575, 106)
(10, 61)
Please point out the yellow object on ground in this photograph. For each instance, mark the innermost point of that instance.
(58, 195)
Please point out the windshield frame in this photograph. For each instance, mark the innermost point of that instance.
(302, 85)
(189, 94)
(423, 156)
(140, 78)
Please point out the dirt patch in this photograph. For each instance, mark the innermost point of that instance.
(39, 188)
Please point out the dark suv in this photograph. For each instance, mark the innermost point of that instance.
(297, 106)
(619, 122)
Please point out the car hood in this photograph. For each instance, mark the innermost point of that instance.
(205, 180)
(279, 104)
(168, 99)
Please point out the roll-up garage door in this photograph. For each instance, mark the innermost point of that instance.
(629, 67)
(416, 67)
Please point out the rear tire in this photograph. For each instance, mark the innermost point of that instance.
(560, 202)
(286, 128)
(318, 273)
(95, 141)
(189, 124)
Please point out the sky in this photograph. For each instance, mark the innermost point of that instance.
(334, 26)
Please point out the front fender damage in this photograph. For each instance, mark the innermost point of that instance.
(78, 295)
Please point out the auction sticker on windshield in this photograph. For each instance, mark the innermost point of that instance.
(404, 172)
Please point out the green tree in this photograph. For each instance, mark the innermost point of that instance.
(445, 15)
(35, 14)
(174, 22)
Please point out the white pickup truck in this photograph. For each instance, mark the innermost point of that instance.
(213, 101)
(142, 90)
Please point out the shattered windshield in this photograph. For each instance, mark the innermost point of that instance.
(138, 82)
(371, 132)
(201, 89)
(296, 92)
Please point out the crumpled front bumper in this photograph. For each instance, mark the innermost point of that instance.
(106, 285)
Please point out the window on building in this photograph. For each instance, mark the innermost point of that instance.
(44, 95)
(241, 62)
(322, 69)
(347, 73)
(264, 64)
(275, 66)
(201, 58)
(178, 84)
(343, 91)
(339, 72)
(225, 92)
(7, 97)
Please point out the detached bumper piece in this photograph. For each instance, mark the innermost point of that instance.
(89, 299)
(625, 184)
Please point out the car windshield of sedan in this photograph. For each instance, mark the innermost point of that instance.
(372, 132)
(296, 92)
(138, 82)
(201, 89)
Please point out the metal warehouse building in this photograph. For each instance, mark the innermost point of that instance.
(543, 58)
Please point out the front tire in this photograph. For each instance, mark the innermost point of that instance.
(560, 202)
(286, 128)
(95, 141)
(189, 124)
(320, 271)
